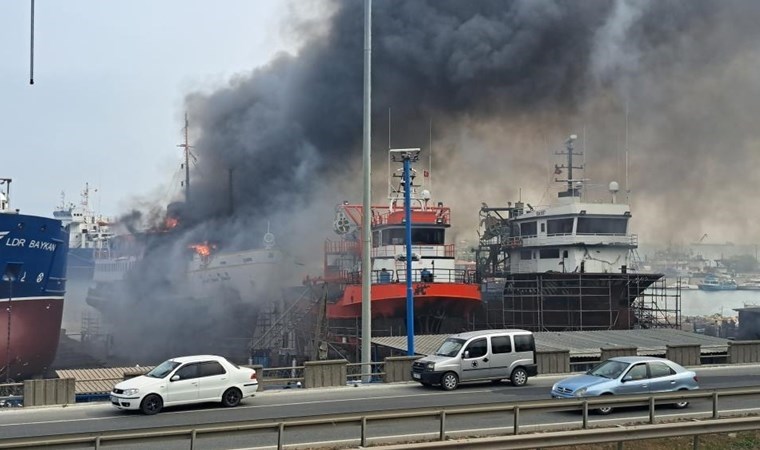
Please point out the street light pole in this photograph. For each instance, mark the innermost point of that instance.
(366, 356)
(407, 156)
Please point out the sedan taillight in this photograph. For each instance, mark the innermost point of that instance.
(253, 376)
(696, 378)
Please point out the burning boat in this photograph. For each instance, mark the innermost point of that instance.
(568, 266)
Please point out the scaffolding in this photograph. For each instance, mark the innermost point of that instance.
(659, 306)
(289, 328)
(577, 301)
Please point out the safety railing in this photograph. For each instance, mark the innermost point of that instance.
(11, 394)
(363, 422)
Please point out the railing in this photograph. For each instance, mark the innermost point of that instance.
(193, 434)
(354, 371)
(11, 394)
(432, 275)
(570, 239)
(421, 250)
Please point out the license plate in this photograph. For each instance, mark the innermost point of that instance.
(416, 376)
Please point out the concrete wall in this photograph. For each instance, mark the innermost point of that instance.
(49, 392)
(684, 354)
(611, 352)
(399, 368)
(556, 361)
(325, 373)
(743, 352)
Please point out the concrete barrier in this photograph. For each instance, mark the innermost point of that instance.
(554, 361)
(325, 373)
(612, 352)
(743, 352)
(399, 368)
(684, 354)
(58, 391)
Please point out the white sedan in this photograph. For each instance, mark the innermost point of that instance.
(186, 380)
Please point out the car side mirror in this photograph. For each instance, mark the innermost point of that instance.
(174, 378)
(627, 378)
(466, 354)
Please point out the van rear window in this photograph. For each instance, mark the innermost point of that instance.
(501, 344)
(524, 343)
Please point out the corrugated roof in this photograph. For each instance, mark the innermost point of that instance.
(583, 344)
(97, 381)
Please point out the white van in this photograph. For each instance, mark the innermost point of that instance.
(477, 356)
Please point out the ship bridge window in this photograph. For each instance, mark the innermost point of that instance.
(376, 242)
(549, 253)
(559, 226)
(526, 254)
(420, 236)
(598, 225)
(528, 229)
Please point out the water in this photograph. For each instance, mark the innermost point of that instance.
(706, 303)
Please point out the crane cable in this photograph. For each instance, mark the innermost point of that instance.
(31, 48)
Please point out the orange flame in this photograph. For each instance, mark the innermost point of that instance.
(204, 249)
(171, 222)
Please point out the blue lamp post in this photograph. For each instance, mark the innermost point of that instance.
(408, 156)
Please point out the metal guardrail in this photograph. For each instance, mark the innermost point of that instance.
(441, 414)
(11, 394)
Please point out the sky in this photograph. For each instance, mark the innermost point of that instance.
(110, 82)
(503, 83)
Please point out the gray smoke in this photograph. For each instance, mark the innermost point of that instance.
(503, 84)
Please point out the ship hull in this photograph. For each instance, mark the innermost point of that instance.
(568, 301)
(707, 287)
(35, 325)
(438, 307)
(33, 267)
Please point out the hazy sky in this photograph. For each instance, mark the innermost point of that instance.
(110, 81)
(504, 82)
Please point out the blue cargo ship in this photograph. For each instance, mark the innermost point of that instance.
(33, 255)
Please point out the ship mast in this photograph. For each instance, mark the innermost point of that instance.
(186, 147)
(572, 191)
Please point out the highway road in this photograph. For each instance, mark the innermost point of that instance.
(303, 403)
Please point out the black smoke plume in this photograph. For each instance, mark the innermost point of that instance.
(502, 83)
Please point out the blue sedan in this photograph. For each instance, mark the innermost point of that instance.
(628, 375)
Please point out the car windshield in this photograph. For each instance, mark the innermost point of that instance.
(450, 347)
(608, 369)
(163, 369)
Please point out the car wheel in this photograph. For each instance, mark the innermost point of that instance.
(682, 404)
(231, 397)
(151, 404)
(604, 410)
(519, 377)
(449, 381)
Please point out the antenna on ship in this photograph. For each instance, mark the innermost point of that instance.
(572, 190)
(186, 146)
(627, 186)
(428, 176)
